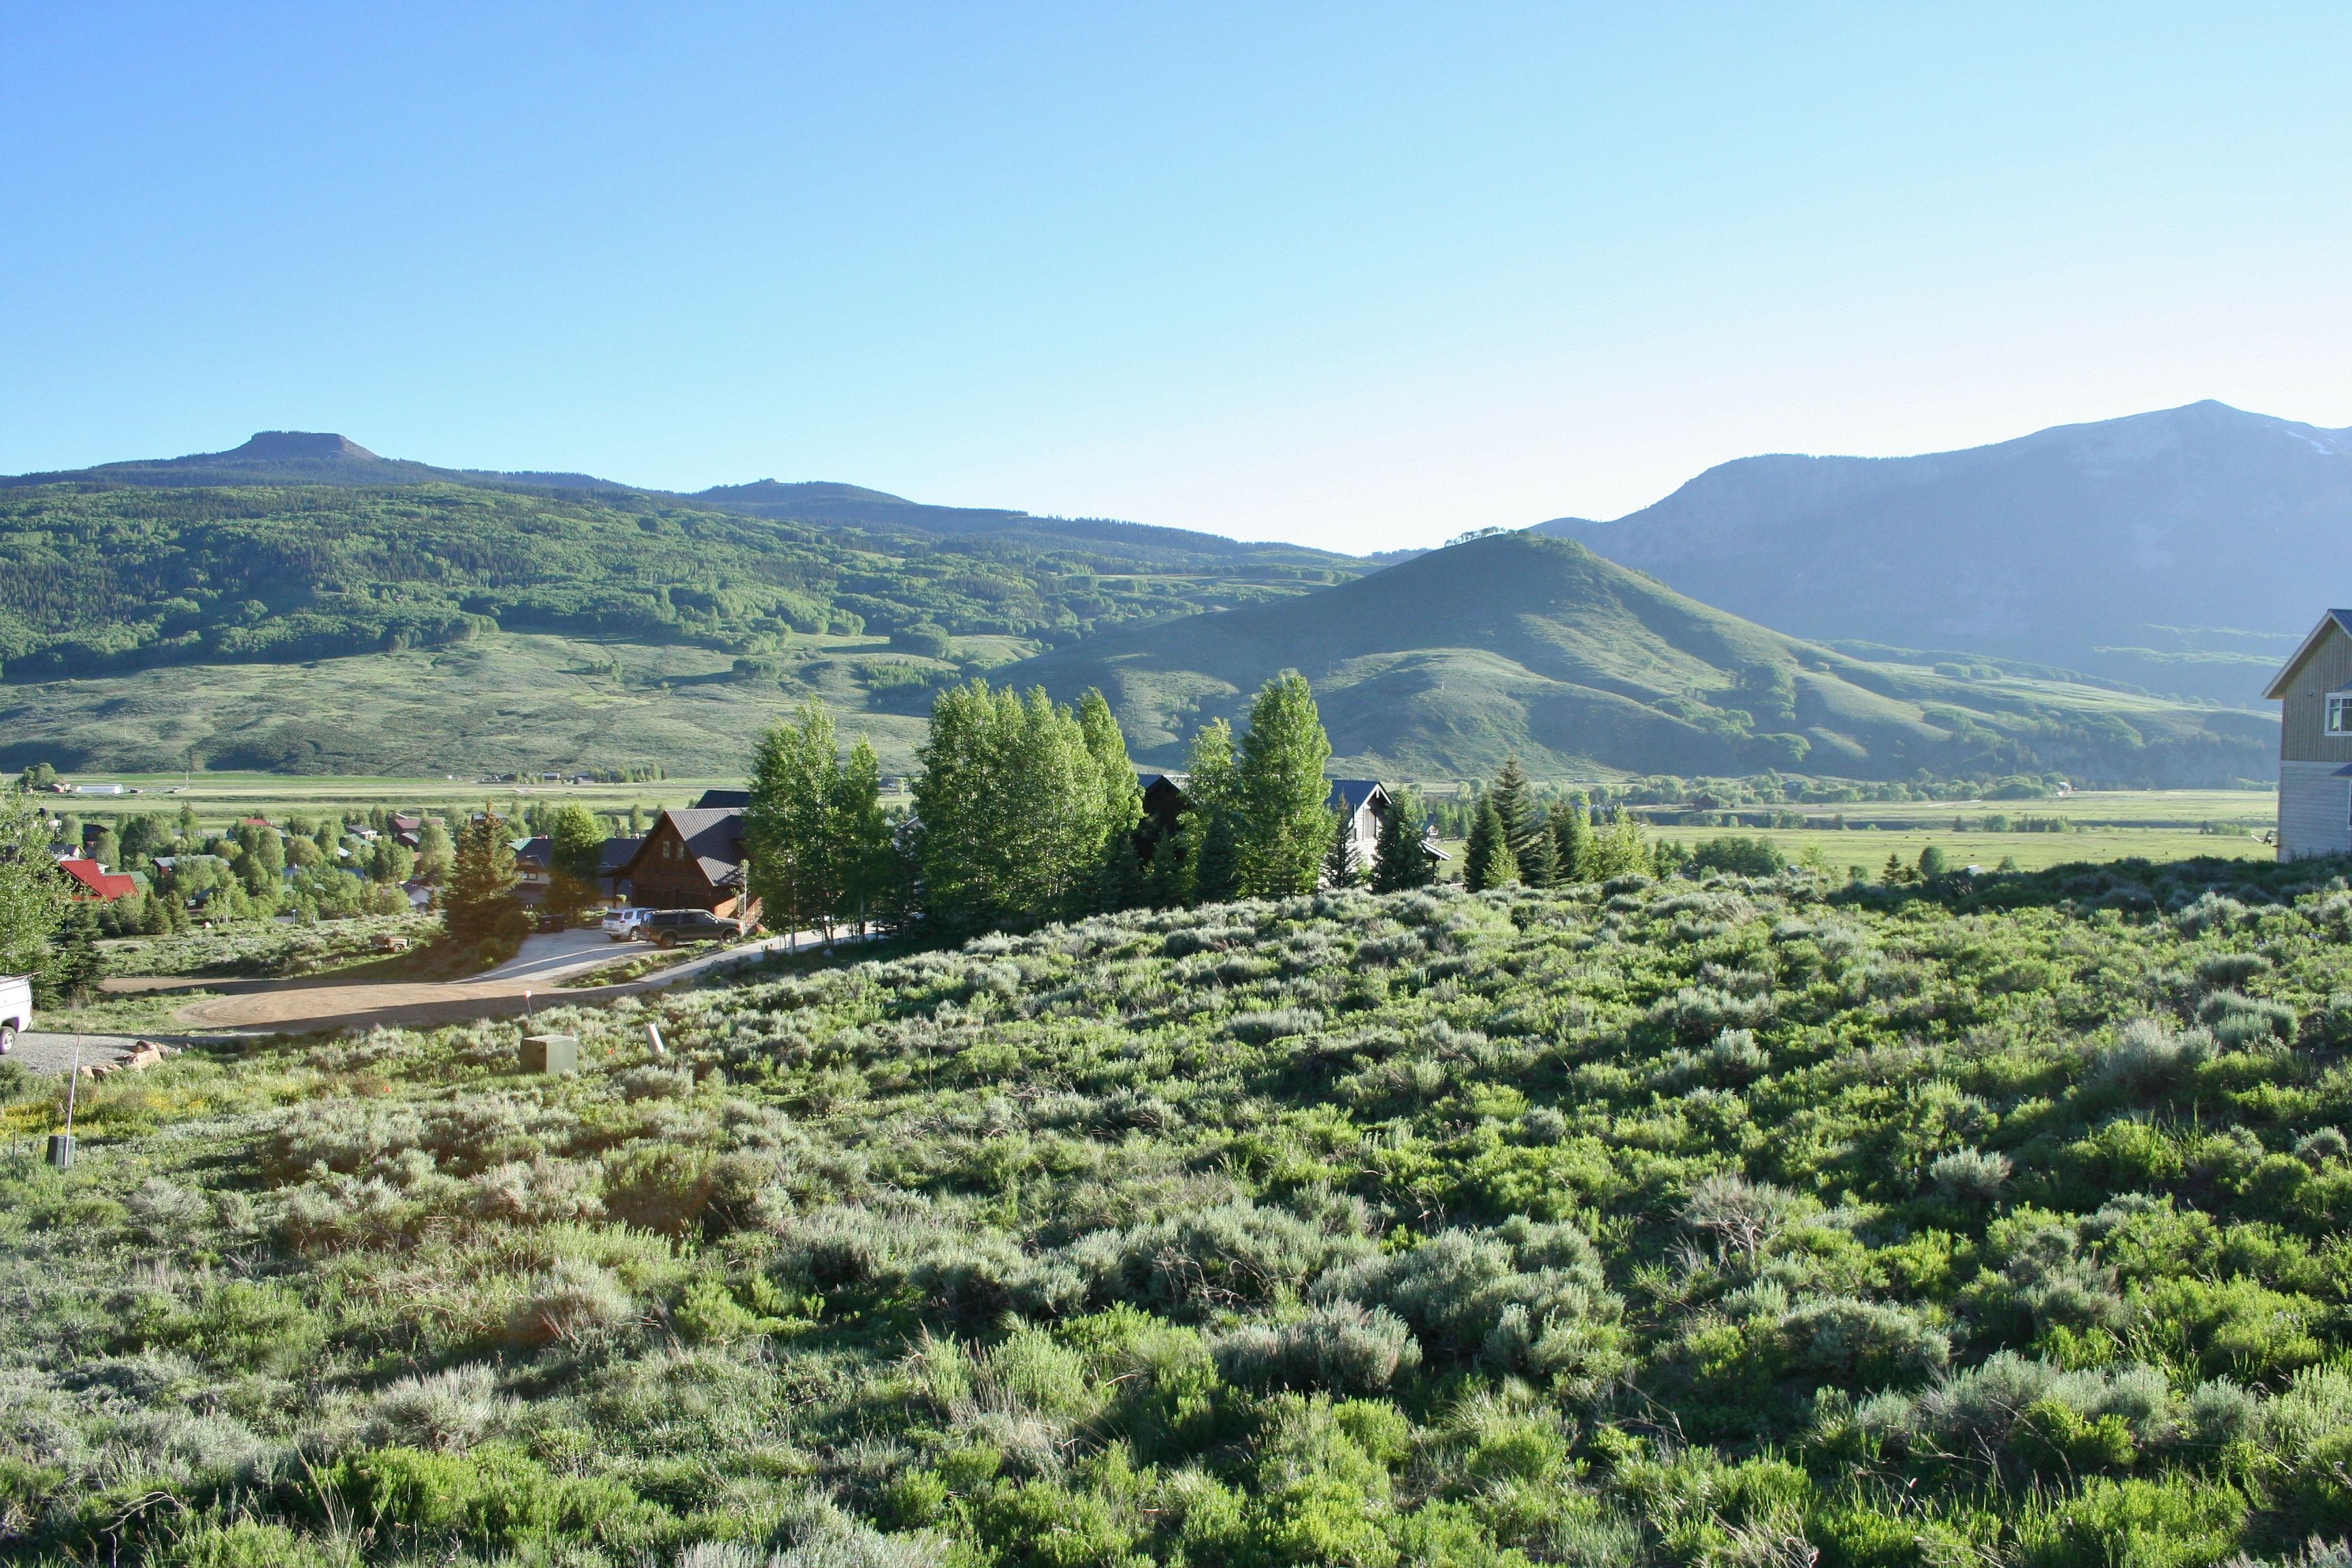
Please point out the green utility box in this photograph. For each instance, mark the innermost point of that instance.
(550, 1053)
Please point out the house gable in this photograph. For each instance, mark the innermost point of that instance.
(691, 859)
(2333, 626)
(2320, 669)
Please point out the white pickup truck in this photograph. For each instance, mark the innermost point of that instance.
(16, 1010)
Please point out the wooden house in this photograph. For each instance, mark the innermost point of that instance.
(2315, 689)
(690, 859)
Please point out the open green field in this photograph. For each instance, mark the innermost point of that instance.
(2189, 808)
(2033, 851)
(501, 702)
(223, 797)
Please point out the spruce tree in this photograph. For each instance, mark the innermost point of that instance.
(1401, 862)
(1280, 791)
(1572, 837)
(1539, 864)
(1514, 803)
(1487, 862)
(1339, 865)
(477, 904)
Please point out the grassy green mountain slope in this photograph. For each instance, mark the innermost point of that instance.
(1748, 1223)
(133, 609)
(1444, 664)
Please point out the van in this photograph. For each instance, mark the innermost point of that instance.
(16, 1010)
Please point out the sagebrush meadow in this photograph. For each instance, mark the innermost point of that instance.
(1687, 1222)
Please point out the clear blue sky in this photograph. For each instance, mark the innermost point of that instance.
(1360, 276)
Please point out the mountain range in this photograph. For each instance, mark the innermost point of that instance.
(431, 619)
(2184, 551)
(1520, 643)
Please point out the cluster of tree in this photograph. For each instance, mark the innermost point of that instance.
(1514, 840)
(1027, 809)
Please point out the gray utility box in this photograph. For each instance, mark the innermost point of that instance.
(550, 1053)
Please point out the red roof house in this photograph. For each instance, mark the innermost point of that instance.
(93, 881)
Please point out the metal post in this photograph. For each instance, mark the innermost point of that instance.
(61, 1145)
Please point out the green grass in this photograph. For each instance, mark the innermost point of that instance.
(504, 703)
(1520, 644)
(1742, 1221)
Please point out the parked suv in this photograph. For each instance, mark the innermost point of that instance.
(667, 928)
(16, 1010)
(621, 925)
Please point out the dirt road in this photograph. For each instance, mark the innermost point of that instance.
(298, 1006)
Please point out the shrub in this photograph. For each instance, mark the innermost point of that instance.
(1970, 1174)
(573, 1302)
(1339, 1348)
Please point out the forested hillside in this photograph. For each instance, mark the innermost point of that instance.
(93, 580)
(1447, 663)
(1742, 1222)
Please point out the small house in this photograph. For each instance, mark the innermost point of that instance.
(534, 864)
(92, 883)
(1363, 805)
(2314, 690)
(691, 859)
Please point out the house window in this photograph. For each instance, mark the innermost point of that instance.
(2339, 712)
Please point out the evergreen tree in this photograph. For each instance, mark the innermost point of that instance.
(477, 903)
(1280, 793)
(1400, 862)
(389, 862)
(1487, 862)
(1339, 864)
(1167, 874)
(1125, 885)
(1894, 871)
(1539, 864)
(75, 963)
(1513, 800)
(1572, 837)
